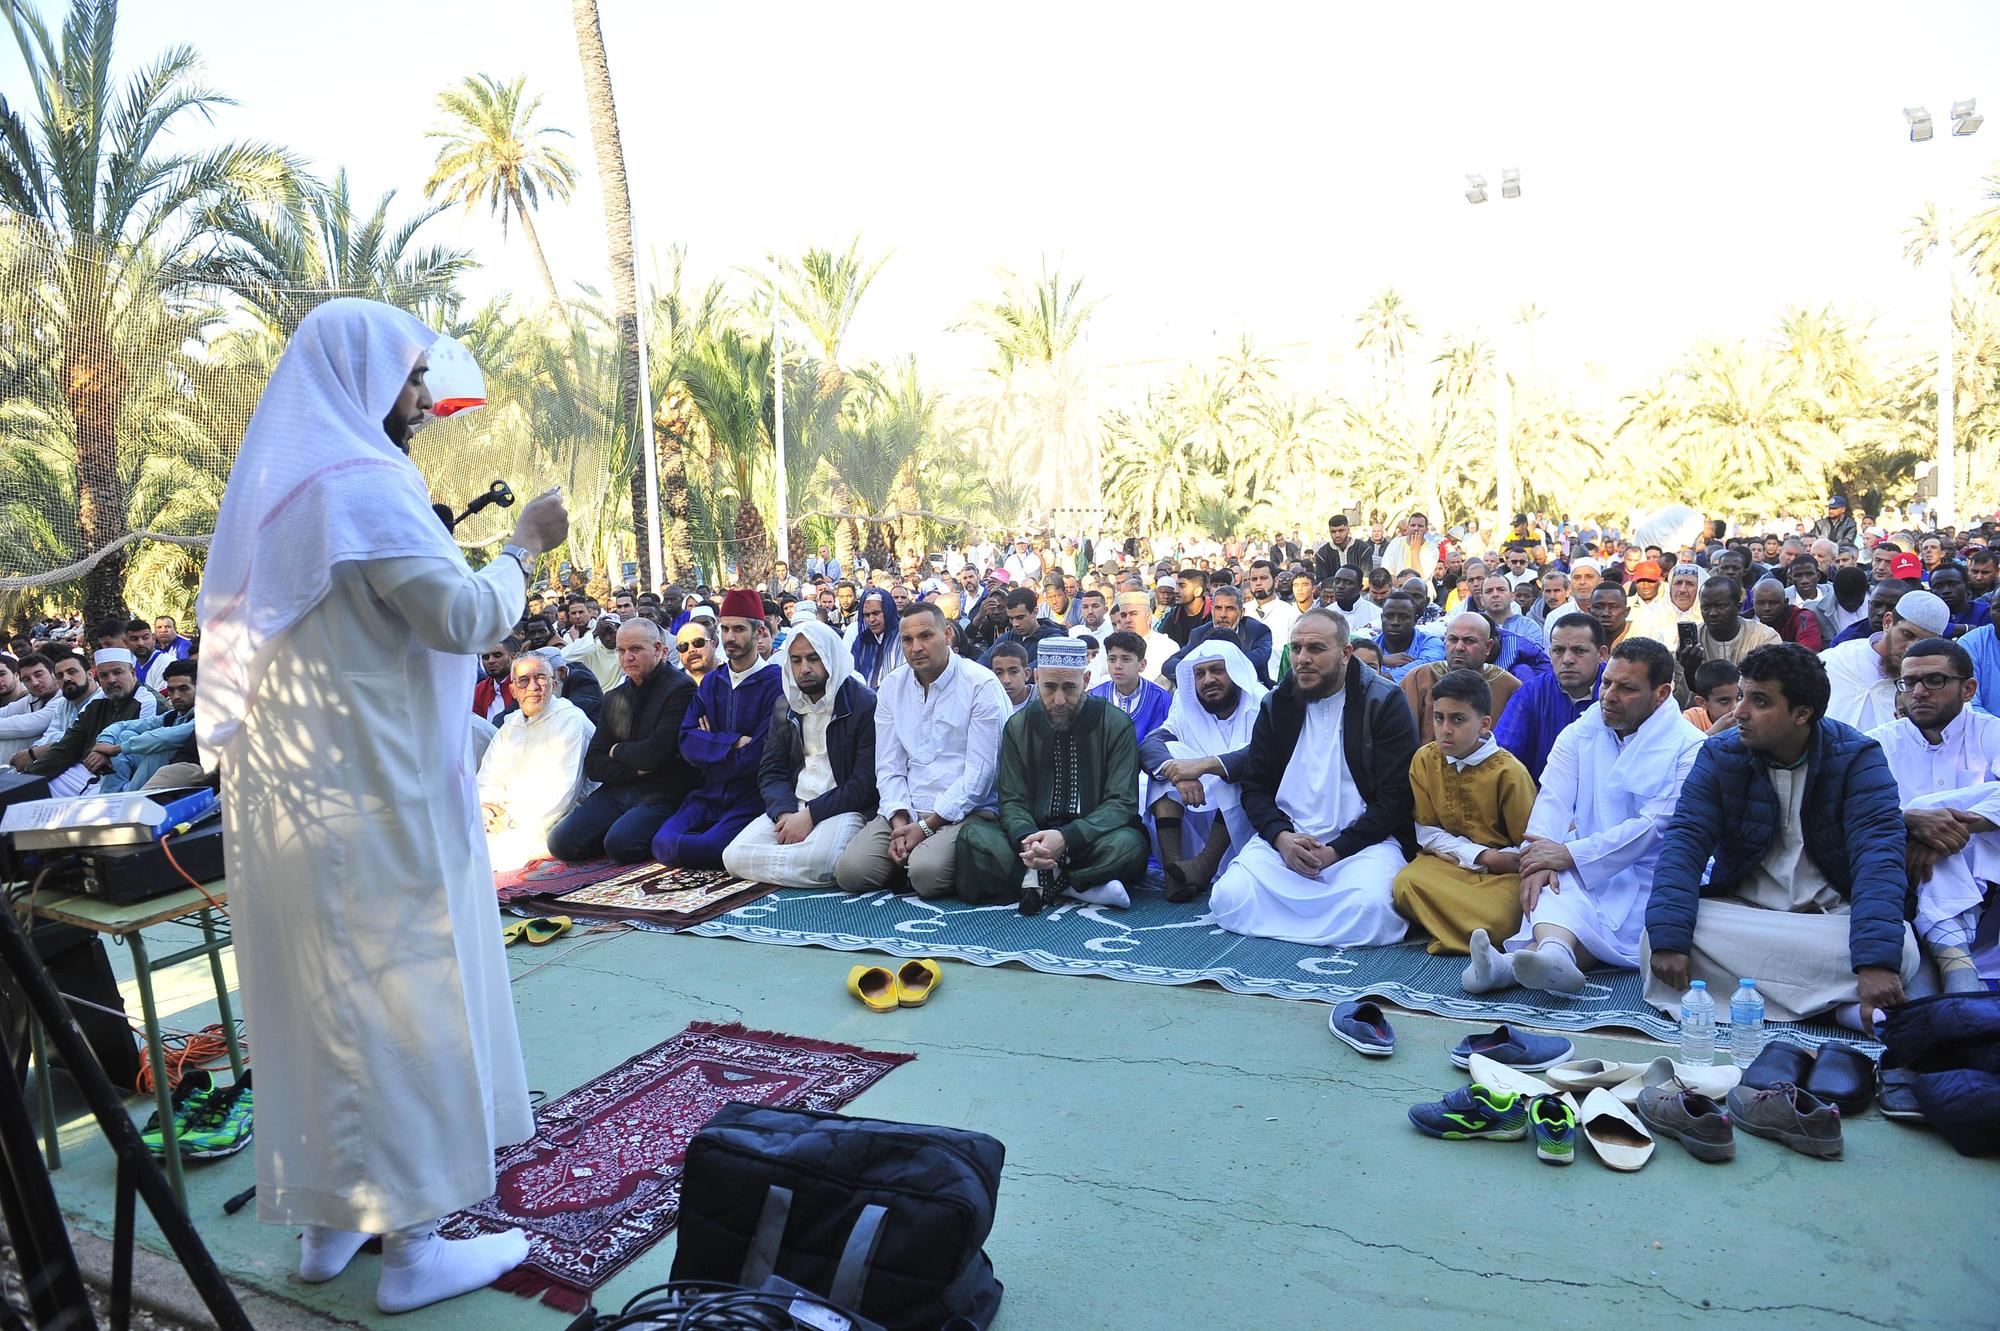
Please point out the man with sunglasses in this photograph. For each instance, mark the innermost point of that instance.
(695, 645)
(1946, 760)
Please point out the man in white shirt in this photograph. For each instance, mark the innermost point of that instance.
(597, 652)
(1023, 563)
(1414, 547)
(1946, 760)
(532, 773)
(24, 720)
(1608, 790)
(937, 752)
(75, 690)
(1266, 605)
(1862, 674)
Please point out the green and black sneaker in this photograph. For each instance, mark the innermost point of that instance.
(189, 1098)
(222, 1127)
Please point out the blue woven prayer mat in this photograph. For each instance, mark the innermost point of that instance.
(1157, 942)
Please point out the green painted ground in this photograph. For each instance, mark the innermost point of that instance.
(1191, 1158)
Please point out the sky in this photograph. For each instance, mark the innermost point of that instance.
(1688, 171)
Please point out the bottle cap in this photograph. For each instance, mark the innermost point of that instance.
(1746, 983)
(1698, 984)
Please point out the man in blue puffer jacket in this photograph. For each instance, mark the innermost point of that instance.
(1809, 892)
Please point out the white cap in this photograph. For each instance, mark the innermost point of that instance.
(1926, 610)
(117, 655)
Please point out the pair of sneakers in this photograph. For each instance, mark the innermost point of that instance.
(209, 1121)
(1478, 1112)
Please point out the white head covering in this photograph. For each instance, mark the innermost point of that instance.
(112, 656)
(1192, 723)
(832, 652)
(316, 483)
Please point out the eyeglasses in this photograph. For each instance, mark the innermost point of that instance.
(691, 644)
(1930, 683)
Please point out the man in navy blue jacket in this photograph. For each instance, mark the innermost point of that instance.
(1810, 886)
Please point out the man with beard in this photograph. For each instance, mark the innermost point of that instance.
(1069, 798)
(1862, 674)
(71, 761)
(1946, 760)
(25, 719)
(1326, 786)
(1189, 758)
(722, 738)
(1470, 643)
(1226, 619)
(1725, 635)
(156, 751)
(1191, 609)
(493, 695)
(1266, 605)
(1549, 704)
(1609, 788)
(1341, 551)
(696, 646)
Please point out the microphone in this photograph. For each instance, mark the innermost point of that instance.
(497, 493)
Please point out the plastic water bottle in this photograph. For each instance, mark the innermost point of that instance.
(1697, 1025)
(1746, 1024)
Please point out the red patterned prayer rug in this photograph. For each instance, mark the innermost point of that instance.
(600, 1181)
(551, 877)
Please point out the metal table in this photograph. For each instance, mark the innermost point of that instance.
(125, 920)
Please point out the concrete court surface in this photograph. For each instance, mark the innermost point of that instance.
(1189, 1158)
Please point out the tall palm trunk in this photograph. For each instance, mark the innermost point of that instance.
(535, 247)
(753, 547)
(94, 383)
(673, 425)
(624, 271)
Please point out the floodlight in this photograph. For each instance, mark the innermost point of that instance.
(1920, 123)
(1475, 188)
(1510, 183)
(1965, 117)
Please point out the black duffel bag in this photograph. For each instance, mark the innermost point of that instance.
(884, 1219)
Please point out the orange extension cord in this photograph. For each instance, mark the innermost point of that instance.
(186, 1053)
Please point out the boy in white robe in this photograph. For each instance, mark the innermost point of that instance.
(340, 622)
(1608, 791)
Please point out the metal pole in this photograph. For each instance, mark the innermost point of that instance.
(655, 546)
(1947, 444)
(778, 378)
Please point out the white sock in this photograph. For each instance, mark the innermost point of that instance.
(1549, 965)
(1849, 1015)
(1112, 893)
(419, 1268)
(1489, 969)
(324, 1253)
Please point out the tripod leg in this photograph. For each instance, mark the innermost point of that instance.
(121, 1250)
(56, 1295)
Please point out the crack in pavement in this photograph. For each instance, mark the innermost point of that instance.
(1290, 1076)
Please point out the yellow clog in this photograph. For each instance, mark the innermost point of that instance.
(916, 981)
(874, 986)
(510, 933)
(546, 929)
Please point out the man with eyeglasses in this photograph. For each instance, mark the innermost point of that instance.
(1946, 759)
(532, 773)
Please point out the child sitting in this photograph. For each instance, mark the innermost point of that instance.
(1716, 687)
(1472, 804)
(1127, 689)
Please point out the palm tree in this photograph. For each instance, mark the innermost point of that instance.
(125, 218)
(1034, 408)
(286, 260)
(493, 151)
(618, 235)
(822, 290)
(680, 321)
(728, 378)
(1386, 326)
(874, 446)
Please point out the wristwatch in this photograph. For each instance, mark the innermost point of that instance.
(521, 557)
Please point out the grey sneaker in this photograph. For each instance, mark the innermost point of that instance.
(1789, 1114)
(1697, 1122)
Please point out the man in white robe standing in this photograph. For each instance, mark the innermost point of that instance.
(532, 772)
(1326, 785)
(340, 625)
(1946, 761)
(1608, 791)
(1190, 793)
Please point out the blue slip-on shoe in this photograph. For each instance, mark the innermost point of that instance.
(1363, 1027)
(1473, 1113)
(1517, 1049)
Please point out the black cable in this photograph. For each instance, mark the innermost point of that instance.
(706, 1305)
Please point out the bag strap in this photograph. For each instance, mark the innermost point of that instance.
(762, 1258)
(859, 1255)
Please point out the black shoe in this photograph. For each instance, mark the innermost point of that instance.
(1897, 1097)
(1034, 900)
(1780, 1062)
(1844, 1076)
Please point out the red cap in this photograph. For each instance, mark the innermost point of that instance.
(743, 603)
(1647, 570)
(1905, 565)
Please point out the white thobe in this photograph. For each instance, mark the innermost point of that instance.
(533, 770)
(1860, 694)
(1608, 800)
(1351, 903)
(589, 654)
(1962, 772)
(374, 980)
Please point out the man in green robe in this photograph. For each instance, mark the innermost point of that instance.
(1069, 798)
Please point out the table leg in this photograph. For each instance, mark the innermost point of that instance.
(222, 994)
(45, 1092)
(142, 968)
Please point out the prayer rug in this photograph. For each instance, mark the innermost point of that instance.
(654, 894)
(1157, 942)
(600, 1180)
(551, 877)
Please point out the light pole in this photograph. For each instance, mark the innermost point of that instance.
(1965, 122)
(1505, 481)
(778, 414)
